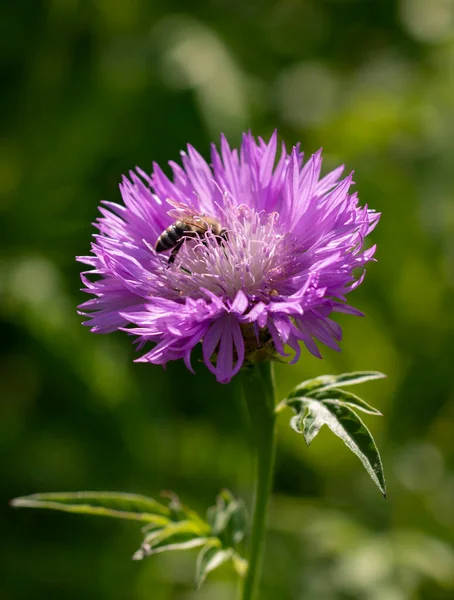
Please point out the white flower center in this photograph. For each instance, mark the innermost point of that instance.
(256, 258)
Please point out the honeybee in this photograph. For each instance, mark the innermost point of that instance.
(188, 225)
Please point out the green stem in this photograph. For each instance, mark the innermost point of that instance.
(259, 390)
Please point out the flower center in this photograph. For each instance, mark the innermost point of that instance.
(254, 257)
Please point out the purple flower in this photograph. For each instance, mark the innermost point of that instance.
(289, 257)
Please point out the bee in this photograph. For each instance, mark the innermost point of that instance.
(188, 225)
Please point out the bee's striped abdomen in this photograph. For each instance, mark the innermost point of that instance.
(172, 235)
(195, 226)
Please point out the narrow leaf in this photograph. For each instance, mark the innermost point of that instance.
(209, 559)
(177, 542)
(232, 522)
(296, 422)
(327, 381)
(308, 386)
(343, 397)
(237, 523)
(240, 564)
(228, 518)
(180, 527)
(107, 504)
(311, 425)
(182, 535)
(151, 527)
(346, 424)
(181, 512)
(356, 378)
(305, 421)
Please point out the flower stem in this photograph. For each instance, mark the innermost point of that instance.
(259, 392)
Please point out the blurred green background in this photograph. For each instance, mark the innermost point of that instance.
(91, 89)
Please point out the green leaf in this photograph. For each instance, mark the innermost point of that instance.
(178, 542)
(180, 527)
(182, 535)
(328, 381)
(106, 504)
(344, 422)
(180, 512)
(343, 397)
(228, 521)
(240, 564)
(307, 423)
(151, 527)
(228, 518)
(217, 514)
(209, 559)
(172, 527)
(237, 522)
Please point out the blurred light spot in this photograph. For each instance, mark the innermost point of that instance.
(36, 280)
(193, 57)
(419, 466)
(426, 556)
(441, 502)
(307, 93)
(35, 297)
(393, 564)
(428, 20)
(388, 591)
(331, 532)
(316, 584)
(387, 71)
(365, 566)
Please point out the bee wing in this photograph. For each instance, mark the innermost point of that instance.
(188, 214)
(197, 221)
(179, 205)
(183, 212)
(190, 219)
(180, 214)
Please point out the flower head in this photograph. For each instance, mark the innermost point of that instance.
(286, 258)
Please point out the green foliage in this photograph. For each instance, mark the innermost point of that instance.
(91, 89)
(182, 535)
(210, 557)
(171, 527)
(105, 504)
(326, 382)
(228, 519)
(319, 402)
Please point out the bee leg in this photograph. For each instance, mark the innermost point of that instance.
(223, 236)
(174, 252)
